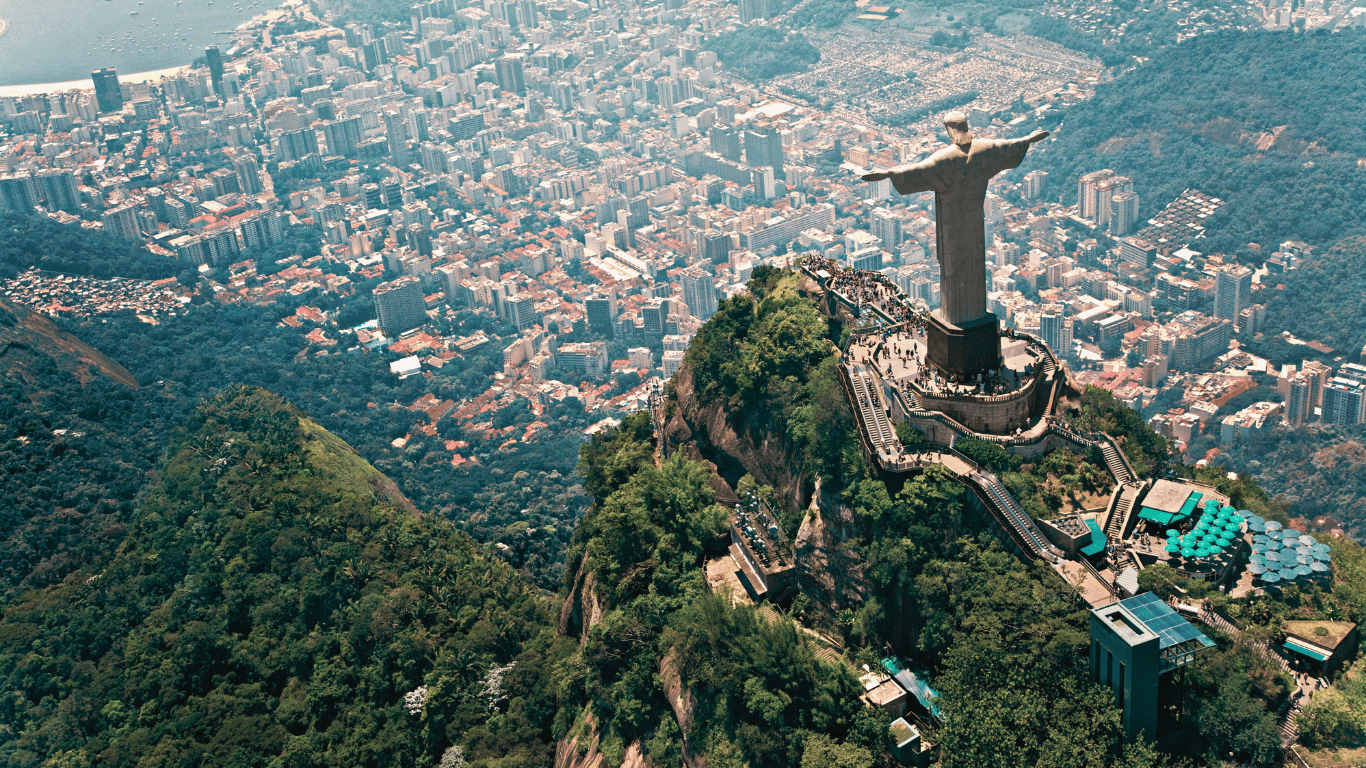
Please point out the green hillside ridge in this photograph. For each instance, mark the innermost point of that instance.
(274, 602)
(1257, 119)
(25, 334)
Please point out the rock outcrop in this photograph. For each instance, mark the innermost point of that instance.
(735, 444)
(829, 570)
(582, 609)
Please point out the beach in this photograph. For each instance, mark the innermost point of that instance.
(87, 84)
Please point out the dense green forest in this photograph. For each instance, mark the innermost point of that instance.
(759, 54)
(37, 241)
(70, 493)
(1324, 300)
(770, 356)
(497, 498)
(760, 692)
(278, 601)
(1193, 117)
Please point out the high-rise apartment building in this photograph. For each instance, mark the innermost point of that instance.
(19, 192)
(1056, 329)
(396, 132)
(122, 222)
(764, 147)
(1034, 184)
(58, 188)
(725, 141)
(602, 314)
(248, 174)
(214, 57)
(653, 314)
(107, 94)
(1232, 291)
(1303, 392)
(399, 305)
(1096, 192)
(886, 226)
(342, 136)
(753, 9)
(294, 145)
(521, 311)
(588, 358)
(1344, 401)
(509, 68)
(1123, 213)
(699, 292)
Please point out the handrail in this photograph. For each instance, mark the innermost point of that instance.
(1108, 586)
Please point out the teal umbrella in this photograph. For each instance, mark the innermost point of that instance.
(1257, 559)
(1187, 552)
(1271, 577)
(1202, 552)
(1222, 542)
(1172, 533)
(1173, 548)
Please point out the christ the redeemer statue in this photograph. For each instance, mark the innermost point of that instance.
(958, 176)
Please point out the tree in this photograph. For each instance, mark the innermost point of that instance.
(823, 752)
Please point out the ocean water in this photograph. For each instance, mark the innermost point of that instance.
(58, 40)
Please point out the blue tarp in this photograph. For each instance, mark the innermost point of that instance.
(1098, 540)
(914, 685)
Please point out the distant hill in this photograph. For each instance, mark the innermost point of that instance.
(1272, 123)
(29, 340)
(278, 599)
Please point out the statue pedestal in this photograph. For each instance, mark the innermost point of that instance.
(964, 350)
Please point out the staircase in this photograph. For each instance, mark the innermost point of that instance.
(912, 399)
(1117, 465)
(1290, 729)
(1214, 619)
(1114, 530)
(1043, 395)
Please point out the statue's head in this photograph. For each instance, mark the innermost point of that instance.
(957, 125)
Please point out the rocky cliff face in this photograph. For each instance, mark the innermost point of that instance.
(582, 608)
(829, 570)
(735, 444)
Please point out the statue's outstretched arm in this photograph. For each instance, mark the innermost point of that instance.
(909, 179)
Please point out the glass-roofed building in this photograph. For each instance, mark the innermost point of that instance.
(1135, 644)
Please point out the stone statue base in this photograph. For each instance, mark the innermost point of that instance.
(963, 351)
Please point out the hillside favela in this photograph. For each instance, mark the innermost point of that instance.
(682, 384)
